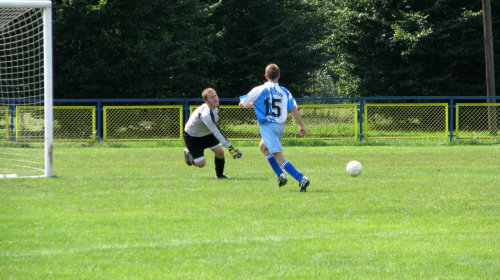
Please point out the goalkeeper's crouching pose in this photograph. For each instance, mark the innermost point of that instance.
(202, 132)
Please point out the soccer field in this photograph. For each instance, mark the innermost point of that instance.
(416, 212)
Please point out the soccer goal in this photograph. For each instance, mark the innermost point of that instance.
(26, 89)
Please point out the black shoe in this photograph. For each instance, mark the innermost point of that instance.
(303, 184)
(221, 176)
(282, 180)
(188, 158)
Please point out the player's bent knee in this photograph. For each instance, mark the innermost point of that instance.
(220, 154)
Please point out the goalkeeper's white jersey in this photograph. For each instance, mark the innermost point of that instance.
(203, 121)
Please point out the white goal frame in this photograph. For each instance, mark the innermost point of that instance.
(46, 7)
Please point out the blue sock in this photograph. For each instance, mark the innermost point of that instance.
(274, 164)
(288, 166)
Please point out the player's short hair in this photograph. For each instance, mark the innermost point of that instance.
(272, 71)
(205, 93)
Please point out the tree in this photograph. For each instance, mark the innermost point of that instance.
(411, 47)
(176, 48)
(252, 34)
(131, 49)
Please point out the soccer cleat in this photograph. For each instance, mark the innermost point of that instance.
(282, 180)
(221, 176)
(188, 158)
(303, 184)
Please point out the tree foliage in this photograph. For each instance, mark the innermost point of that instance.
(411, 47)
(176, 48)
(252, 34)
(131, 49)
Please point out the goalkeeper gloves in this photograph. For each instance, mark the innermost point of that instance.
(235, 153)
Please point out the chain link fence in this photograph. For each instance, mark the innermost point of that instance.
(126, 123)
(29, 123)
(4, 122)
(477, 120)
(406, 120)
(70, 123)
(324, 120)
(74, 123)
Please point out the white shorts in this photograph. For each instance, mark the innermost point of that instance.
(271, 134)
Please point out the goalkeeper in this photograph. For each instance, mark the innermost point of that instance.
(202, 132)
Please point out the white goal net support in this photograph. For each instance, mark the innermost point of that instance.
(26, 131)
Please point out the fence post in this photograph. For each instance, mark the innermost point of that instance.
(99, 121)
(361, 119)
(186, 111)
(452, 119)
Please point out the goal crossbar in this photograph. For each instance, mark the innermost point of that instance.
(25, 4)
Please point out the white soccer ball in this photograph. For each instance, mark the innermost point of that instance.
(354, 168)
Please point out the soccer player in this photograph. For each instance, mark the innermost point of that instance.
(272, 103)
(202, 132)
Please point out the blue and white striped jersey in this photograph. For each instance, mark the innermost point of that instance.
(271, 102)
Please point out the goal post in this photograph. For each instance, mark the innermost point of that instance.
(26, 137)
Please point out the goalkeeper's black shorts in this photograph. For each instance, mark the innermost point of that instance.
(196, 145)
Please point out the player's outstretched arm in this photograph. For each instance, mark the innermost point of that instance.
(235, 153)
(298, 118)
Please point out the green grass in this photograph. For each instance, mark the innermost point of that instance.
(416, 212)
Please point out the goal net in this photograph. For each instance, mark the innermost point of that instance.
(25, 89)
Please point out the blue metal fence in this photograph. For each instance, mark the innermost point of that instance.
(451, 100)
(360, 101)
